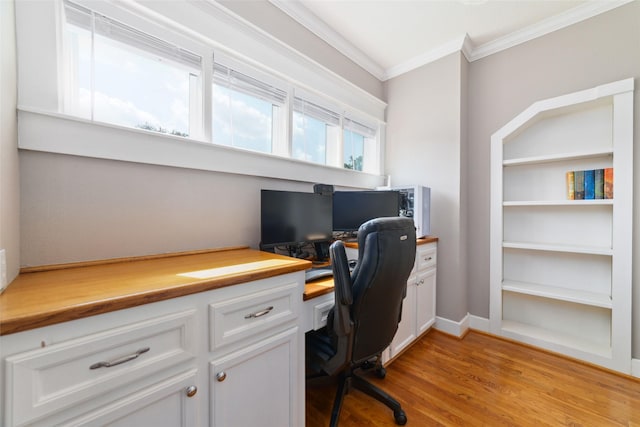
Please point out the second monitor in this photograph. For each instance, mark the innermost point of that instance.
(353, 208)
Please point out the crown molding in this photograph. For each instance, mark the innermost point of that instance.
(544, 27)
(318, 27)
(463, 43)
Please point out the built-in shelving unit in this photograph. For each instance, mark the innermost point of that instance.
(561, 269)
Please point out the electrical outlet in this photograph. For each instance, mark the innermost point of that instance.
(3, 270)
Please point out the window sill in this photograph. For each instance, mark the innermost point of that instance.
(63, 134)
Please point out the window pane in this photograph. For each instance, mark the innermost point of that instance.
(134, 89)
(353, 150)
(117, 74)
(309, 140)
(241, 120)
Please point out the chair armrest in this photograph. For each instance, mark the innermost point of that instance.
(342, 289)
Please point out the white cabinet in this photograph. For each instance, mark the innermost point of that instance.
(419, 306)
(561, 269)
(256, 374)
(160, 364)
(170, 403)
(256, 386)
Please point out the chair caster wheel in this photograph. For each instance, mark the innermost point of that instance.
(381, 372)
(400, 417)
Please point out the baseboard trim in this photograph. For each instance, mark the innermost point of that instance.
(635, 367)
(457, 329)
(478, 323)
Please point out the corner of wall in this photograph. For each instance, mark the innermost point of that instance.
(9, 162)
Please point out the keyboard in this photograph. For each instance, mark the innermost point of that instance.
(317, 273)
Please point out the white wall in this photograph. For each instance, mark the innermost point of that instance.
(424, 146)
(602, 49)
(9, 177)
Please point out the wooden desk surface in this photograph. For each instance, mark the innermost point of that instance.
(325, 285)
(63, 293)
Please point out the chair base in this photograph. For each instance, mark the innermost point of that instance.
(352, 380)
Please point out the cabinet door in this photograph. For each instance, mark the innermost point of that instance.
(256, 386)
(407, 328)
(169, 403)
(425, 300)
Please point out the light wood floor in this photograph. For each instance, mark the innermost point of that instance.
(485, 381)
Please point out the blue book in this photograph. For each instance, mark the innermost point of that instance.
(589, 184)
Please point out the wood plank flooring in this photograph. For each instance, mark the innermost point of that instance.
(485, 381)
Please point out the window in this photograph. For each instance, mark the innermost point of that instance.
(117, 74)
(358, 144)
(247, 113)
(316, 132)
(144, 74)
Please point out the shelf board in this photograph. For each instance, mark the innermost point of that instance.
(558, 293)
(557, 341)
(591, 250)
(590, 202)
(557, 157)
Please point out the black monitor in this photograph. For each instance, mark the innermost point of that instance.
(292, 218)
(353, 208)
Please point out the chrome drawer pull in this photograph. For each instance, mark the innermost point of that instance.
(120, 360)
(259, 313)
(221, 376)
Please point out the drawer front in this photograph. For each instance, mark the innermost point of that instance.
(243, 317)
(49, 379)
(426, 256)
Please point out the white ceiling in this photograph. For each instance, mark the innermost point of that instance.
(390, 37)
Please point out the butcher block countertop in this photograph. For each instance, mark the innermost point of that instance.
(47, 295)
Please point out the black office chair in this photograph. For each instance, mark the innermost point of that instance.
(367, 310)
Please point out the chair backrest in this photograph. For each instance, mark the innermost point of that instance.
(386, 255)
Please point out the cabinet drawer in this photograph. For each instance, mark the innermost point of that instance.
(243, 317)
(426, 257)
(46, 380)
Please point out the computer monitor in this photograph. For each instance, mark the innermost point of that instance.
(292, 218)
(353, 208)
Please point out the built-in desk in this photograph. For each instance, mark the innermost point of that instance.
(181, 340)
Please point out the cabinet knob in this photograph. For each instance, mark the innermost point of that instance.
(221, 376)
(420, 282)
(191, 391)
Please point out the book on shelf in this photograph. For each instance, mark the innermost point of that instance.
(599, 183)
(578, 180)
(608, 183)
(589, 184)
(571, 195)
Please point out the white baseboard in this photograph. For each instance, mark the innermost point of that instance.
(457, 329)
(635, 367)
(478, 323)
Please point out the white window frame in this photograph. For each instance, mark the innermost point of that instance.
(201, 27)
(280, 124)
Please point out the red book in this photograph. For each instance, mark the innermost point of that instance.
(608, 183)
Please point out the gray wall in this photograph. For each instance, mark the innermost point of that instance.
(602, 49)
(424, 147)
(9, 176)
(76, 208)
